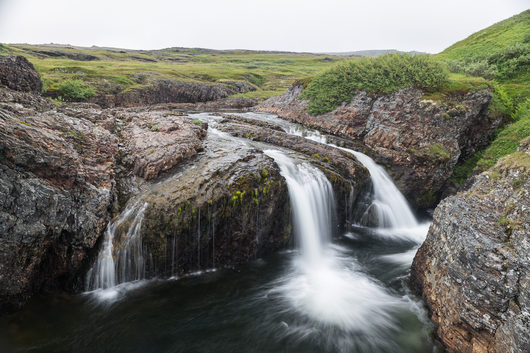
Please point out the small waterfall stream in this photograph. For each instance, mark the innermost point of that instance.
(390, 207)
(123, 263)
(323, 284)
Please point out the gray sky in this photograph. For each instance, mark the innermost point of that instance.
(293, 25)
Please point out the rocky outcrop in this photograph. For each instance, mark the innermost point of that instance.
(157, 141)
(167, 91)
(61, 171)
(56, 179)
(231, 206)
(473, 269)
(420, 139)
(17, 73)
(348, 177)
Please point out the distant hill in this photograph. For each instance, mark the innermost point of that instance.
(375, 52)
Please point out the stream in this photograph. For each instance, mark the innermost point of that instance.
(332, 293)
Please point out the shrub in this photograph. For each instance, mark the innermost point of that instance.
(73, 89)
(502, 65)
(383, 74)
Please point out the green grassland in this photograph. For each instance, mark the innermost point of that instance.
(109, 71)
(499, 54)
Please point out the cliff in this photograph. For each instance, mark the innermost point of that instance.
(473, 269)
(419, 139)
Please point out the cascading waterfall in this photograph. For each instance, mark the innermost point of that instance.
(389, 208)
(312, 202)
(389, 205)
(325, 285)
(123, 263)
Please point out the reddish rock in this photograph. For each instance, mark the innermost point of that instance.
(421, 140)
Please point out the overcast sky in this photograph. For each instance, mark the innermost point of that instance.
(292, 25)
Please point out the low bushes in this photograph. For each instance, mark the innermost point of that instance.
(73, 89)
(383, 74)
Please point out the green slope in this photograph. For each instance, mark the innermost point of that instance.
(511, 31)
(501, 53)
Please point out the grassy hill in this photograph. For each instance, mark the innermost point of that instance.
(500, 53)
(512, 31)
(110, 70)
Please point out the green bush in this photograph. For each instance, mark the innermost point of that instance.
(73, 89)
(383, 74)
(509, 63)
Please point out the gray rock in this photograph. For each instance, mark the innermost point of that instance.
(473, 269)
(17, 73)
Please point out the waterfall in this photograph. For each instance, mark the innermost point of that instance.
(123, 263)
(389, 205)
(389, 208)
(312, 203)
(324, 284)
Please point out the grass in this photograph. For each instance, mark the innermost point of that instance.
(512, 31)
(115, 70)
(382, 74)
(74, 89)
(500, 52)
(506, 142)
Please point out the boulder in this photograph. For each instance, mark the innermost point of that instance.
(17, 73)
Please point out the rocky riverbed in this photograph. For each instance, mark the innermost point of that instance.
(210, 197)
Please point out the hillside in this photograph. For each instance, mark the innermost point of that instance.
(514, 30)
(500, 53)
(103, 71)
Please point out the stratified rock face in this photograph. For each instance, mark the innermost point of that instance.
(473, 269)
(56, 178)
(173, 92)
(421, 140)
(157, 141)
(61, 171)
(230, 206)
(17, 73)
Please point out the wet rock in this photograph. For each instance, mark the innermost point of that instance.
(62, 171)
(17, 73)
(348, 177)
(231, 205)
(473, 269)
(56, 178)
(421, 140)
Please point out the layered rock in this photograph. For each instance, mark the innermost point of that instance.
(56, 179)
(17, 73)
(421, 140)
(230, 206)
(473, 269)
(168, 91)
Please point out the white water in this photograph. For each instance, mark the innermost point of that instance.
(388, 203)
(389, 207)
(324, 285)
(124, 263)
(312, 204)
